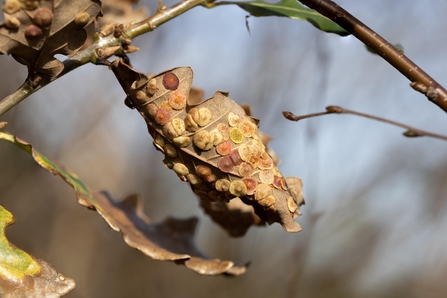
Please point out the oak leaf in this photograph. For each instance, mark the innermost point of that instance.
(34, 31)
(212, 145)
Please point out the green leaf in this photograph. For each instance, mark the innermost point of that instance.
(289, 9)
(22, 275)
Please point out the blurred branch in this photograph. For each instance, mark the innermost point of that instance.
(411, 131)
(420, 81)
(90, 54)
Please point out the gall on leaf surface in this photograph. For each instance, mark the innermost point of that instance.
(189, 138)
(22, 275)
(170, 240)
(289, 9)
(34, 31)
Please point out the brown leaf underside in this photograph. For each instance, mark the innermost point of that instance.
(212, 145)
(170, 240)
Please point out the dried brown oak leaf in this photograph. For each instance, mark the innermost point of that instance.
(170, 240)
(34, 31)
(213, 145)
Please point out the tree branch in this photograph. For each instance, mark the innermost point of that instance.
(420, 81)
(89, 54)
(410, 131)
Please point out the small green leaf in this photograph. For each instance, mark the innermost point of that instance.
(14, 263)
(22, 275)
(289, 9)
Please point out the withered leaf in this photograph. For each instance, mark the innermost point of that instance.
(233, 216)
(22, 275)
(34, 31)
(213, 145)
(171, 240)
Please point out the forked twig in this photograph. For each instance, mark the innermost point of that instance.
(410, 131)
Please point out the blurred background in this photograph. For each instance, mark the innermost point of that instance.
(374, 221)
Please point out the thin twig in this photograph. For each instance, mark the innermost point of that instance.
(420, 81)
(89, 54)
(410, 131)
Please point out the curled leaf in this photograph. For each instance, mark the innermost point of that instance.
(207, 125)
(34, 31)
(171, 240)
(22, 275)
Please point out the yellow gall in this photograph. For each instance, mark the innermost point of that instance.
(177, 100)
(262, 191)
(190, 124)
(174, 128)
(222, 185)
(223, 130)
(29, 4)
(141, 97)
(233, 119)
(165, 105)
(250, 154)
(248, 129)
(203, 140)
(170, 151)
(43, 17)
(236, 135)
(11, 6)
(82, 19)
(12, 22)
(181, 142)
(193, 179)
(205, 116)
(180, 169)
(265, 161)
(266, 176)
(218, 138)
(238, 188)
(151, 87)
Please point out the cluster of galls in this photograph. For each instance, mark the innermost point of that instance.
(220, 155)
(41, 17)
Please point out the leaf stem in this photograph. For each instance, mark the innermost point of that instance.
(420, 81)
(89, 55)
(410, 131)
